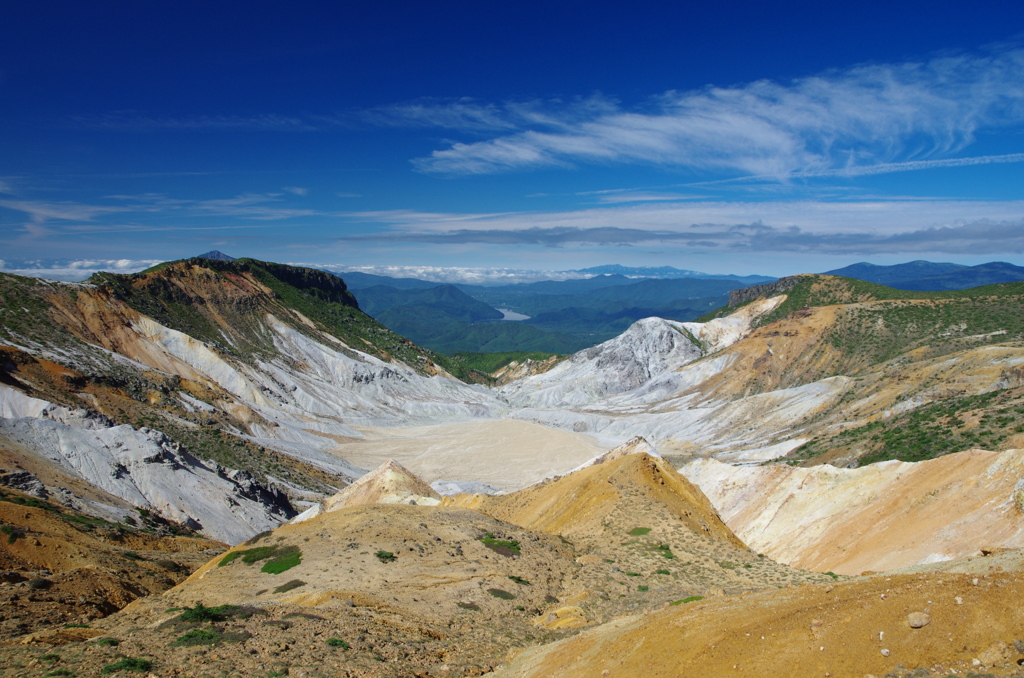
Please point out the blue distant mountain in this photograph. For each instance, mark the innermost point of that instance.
(927, 276)
(562, 315)
(362, 281)
(670, 272)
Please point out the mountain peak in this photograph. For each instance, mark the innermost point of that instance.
(216, 255)
(389, 483)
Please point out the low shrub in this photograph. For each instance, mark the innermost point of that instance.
(202, 636)
(288, 586)
(129, 664)
(337, 642)
(386, 556)
(13, 533)
(200, 613)
(507, 548)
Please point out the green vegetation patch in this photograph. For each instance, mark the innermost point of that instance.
(288, 586)
(519, 580)
(13, 533)
(665, 550)
(129, 664)
(201, 613)
(507, 548)
(492, 362)
(639, 531)
(337, 642)
(279, 558)
(204, 635)
(469, 606)
(643, 587)
(21, 500)
(386, 556)
(500, 593)
(691, 599)
(662, 571)
(940, 428)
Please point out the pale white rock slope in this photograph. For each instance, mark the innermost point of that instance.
(313, 393)
(648, 382)
(144, 468)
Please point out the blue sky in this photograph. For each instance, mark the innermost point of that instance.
(414, 138)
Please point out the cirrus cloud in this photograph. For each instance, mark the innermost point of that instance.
(839, 120)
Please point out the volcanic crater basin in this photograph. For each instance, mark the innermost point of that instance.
(506, 453)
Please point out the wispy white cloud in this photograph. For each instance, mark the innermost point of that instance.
(72, 270)
(836, 227)
(845, 120)
(46, 218)
(470, 115)
(259, 206)
(912, 165)
(454, 274)
(617, 197)
(40, 211)
(296, 190)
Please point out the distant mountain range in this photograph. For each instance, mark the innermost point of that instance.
(671, 272)
(927, 276)
(564, 316)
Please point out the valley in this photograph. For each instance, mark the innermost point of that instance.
(229, 468)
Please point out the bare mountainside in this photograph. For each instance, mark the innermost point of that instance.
(238, 378)
(223, 397)
(813, 373)
(879, 517)
(398, 589)
(60, 566)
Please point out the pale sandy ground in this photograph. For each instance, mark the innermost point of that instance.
(506, 453)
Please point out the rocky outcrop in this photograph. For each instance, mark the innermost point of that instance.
(145, 468)
(780, 286)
